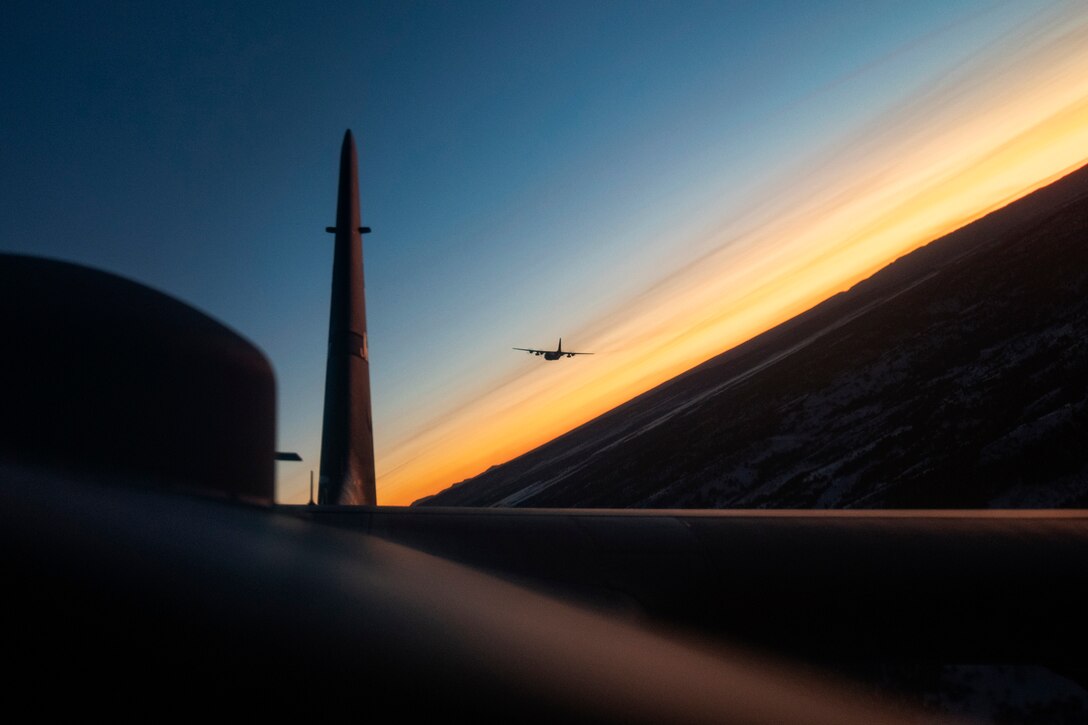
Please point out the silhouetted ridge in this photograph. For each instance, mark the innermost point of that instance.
(957, 376)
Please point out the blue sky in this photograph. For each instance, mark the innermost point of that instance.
(529, 168)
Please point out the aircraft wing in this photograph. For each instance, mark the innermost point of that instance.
(200, 604)
(542, 352)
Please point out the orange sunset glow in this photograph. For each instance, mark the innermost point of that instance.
(982, 135)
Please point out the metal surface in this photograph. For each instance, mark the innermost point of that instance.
(105, 376)
(835, 586)
(347, 434)
(132, 600)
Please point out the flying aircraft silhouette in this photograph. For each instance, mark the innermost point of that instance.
(555, 354)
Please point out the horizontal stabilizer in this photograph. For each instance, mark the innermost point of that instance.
(362, 230)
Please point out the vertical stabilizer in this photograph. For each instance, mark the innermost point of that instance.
(347, 434)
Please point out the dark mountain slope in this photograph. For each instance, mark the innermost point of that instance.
(955, 377)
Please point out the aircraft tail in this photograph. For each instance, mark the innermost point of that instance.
(560, 348)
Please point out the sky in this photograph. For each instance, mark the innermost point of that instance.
(654, 182)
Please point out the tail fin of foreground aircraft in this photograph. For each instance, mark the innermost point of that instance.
(347, 434)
